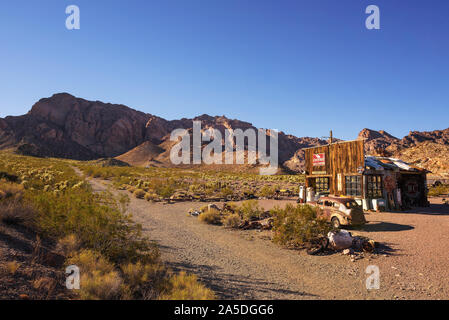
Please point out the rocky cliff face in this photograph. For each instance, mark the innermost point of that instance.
(376, 141)
(428, 149)
(68, 127)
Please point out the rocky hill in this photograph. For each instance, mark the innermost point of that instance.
(68, 127)
(428, 149)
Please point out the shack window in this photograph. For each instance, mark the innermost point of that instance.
(374, 188)
(353, 185)
(322, 184)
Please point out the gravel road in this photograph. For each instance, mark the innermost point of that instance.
(246, 265)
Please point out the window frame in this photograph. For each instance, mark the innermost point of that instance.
(374, 186)
(353, 185)
(320, 183)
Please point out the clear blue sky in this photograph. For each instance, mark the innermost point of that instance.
(302, 67)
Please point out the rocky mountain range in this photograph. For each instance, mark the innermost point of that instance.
(426, 149)
(64, 126)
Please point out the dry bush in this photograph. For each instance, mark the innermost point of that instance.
(68, 245)
(89, 261)
(14, 212)
(102, 286)
(8, 190)
(139, 193)
(99, 280)
(232, 220)
(144, 280)
(45, 284)
(186, 287)
(438, 190)
(12, 267)
(294, 226)
(211, 216)
(131, 189)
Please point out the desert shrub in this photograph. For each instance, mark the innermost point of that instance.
(139, 193)
(250, 210)
(211, 216)
(438, 190)
(186, 287)
(12, 267)
(99, 280)
(232, 220)
(225, 192)
(230, 207)
(165, 191)
(68, 245)
(8, 190)
(145, 281)
(102, 286)
(101, 227)
(45, 283)
(131, 189)
(14, 212)
(293, 226)
(266, 192)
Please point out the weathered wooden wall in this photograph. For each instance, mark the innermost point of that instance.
(344, 158)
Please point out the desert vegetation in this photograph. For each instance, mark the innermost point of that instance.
(442, 189)
(91, 230)
(159, 184)
(295, 226)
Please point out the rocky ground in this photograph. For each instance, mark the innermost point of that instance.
(247, 265)
(29, 268)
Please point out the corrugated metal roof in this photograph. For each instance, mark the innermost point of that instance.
(385, 163)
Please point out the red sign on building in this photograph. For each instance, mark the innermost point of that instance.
(319, 159)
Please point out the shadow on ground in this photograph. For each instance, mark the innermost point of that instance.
(229, 286)
(434, 209)
(379, 226)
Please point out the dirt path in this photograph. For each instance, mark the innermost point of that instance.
(244, 265)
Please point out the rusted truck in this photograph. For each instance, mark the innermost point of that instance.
(340, 211)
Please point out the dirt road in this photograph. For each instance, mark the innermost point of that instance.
(246, 265)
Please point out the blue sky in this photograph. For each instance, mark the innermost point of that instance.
(303, 67)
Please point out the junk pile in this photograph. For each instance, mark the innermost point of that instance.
(345, 242)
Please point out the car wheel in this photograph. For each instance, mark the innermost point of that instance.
(335, 223)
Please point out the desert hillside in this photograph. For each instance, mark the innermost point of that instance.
(428, 149)
(64, 126)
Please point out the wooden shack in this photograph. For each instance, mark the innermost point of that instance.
(343, 169)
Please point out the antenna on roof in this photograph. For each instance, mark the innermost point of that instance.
(330, 137)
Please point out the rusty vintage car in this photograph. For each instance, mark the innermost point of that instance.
(340, 211)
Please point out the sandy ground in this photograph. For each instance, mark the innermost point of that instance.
(247, 265)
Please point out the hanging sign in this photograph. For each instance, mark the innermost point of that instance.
(319, 159)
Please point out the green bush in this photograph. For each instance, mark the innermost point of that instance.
(266, 192)
(250, 210)
(294, 226)
(102, 227)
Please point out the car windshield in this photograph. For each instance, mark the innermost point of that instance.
(351, 204)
